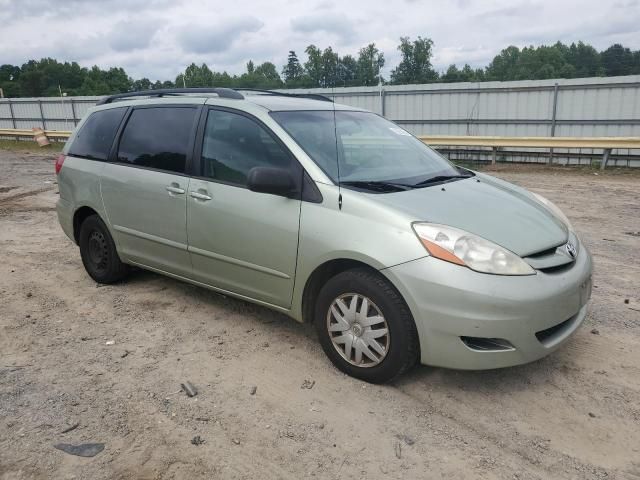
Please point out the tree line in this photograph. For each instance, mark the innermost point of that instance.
(327, 68)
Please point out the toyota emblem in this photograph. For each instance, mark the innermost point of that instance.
(571, 250)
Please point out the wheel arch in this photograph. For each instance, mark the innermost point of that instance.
(319, 276)
(79, 216)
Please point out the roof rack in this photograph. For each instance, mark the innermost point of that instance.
(312, 96)
(161, 92)
(233, 93)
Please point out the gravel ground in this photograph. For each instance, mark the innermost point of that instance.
(270, 405)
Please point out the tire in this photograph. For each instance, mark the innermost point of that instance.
(98, 252)
(397, 350)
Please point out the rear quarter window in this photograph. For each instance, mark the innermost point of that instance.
(95, 137)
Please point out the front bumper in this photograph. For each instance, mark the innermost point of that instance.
(449, 302)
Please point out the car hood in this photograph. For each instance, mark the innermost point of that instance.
(486, 206)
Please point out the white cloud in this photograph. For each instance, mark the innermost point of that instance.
(158, 38)
(129, 35)
(208, 38)
(330, 23)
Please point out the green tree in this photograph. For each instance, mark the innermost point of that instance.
(330, 62)
(467, 74)
(142, 84)
(370, 63)
(415, 66)
(118, 80)
(585, 60)
(32, 79)
(293, 72)
(348, 71)
(10, 80)
(325, 68)
(503, 66)
(268, 76)
(314, 66)
(94, 83)
(223, 79)
(264, 76)
(196, 76)
(617, 60)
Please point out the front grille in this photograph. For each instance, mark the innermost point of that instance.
(544, 253)
(551, 260)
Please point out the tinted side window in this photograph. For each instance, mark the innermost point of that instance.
(158, 138)
(95, 138)
(234, 144)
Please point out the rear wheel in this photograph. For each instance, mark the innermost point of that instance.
(98, 252)
(365, 327)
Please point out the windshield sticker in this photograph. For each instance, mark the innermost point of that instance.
(399, 131)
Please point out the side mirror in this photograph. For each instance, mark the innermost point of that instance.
(276, 181)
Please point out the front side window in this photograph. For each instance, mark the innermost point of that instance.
(158, 138)
(234, 144)
(95, 137)
(362, 147)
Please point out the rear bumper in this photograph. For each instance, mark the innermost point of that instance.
(449, 302)
(65, 217)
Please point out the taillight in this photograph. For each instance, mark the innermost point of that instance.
(59, 162)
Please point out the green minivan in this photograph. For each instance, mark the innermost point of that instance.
(331, 215)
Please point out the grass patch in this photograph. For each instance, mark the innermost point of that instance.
(29, 146)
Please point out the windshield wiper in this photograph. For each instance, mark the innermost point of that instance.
(440, 179)
(377, 185)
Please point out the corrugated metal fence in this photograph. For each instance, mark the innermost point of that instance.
(50, 113)
(586, 107)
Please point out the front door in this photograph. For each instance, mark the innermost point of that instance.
(242, 241)
(145, 189)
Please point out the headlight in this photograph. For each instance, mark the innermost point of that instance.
(463, 248)
(555, 211)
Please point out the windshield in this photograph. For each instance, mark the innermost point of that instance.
(363, 148)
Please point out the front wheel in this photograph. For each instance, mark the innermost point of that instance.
(365, 326)
(98, 252)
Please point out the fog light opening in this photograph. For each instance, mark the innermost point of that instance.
(487, 344)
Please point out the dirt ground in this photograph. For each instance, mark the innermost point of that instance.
(574, 414)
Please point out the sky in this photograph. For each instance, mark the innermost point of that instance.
(157, 39)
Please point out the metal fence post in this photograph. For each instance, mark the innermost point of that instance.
(73, 112)
(553, 118)
(605, 158)
(44, 123)
(383, 94)
(13, 117)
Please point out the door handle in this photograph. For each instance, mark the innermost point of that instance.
(200, 196)
(175, 189)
